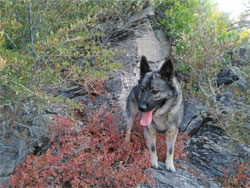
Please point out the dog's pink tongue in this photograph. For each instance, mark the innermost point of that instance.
(146, 118)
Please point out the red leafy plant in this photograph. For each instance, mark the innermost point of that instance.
(240, 177)
(94, 156)
(96, 88)
(161, 145)
(178, 149)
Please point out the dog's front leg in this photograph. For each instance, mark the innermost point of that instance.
(132, 111)
(171, 135)
(130, 122)
(150, 139)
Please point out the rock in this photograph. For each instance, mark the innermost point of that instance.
(72, 92)
(243, 52)
(225, 101)
(149, 11)
(40, 132)
(30, 136)
(210, 150)
(226, 77)
(4, 182)
(129, 75)
(114, 85)
(194, 125)
(186, 175)
(152, 47)
(192, 119)
(181, 178)
(9, 149)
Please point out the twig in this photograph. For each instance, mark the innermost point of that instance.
(9, 104)
(29, 128)
(71, 40)
(210, 86)
(214, 94)
(10, 40)
(201, 88)
(30, 22)
(24, 88)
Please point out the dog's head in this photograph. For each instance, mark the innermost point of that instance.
(155, 88)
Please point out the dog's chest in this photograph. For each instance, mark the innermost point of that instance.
(160, 123)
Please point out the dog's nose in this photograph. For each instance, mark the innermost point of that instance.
(142, 107)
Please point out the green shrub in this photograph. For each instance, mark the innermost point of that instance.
(202, 37)
(47, 43)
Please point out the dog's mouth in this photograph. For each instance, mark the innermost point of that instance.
(146, 118)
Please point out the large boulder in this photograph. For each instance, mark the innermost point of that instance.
(20, 139)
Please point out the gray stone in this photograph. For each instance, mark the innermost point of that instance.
(22, 139)
(165, 178)
(72, 92)
(4, 182)
(149, 11)
(242, 84)
(210, 150)
(192, 119)
(153, 48)
(194, 125)
(181, 178)
(8, 160)
(113, 84)
(226, 77)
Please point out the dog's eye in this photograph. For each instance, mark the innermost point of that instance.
(155, 91)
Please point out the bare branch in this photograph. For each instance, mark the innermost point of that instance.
(10, 40)
(24, 88)
(72, 40)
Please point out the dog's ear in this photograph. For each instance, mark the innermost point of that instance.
(144, 66)
(167, 69)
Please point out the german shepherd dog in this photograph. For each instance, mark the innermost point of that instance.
(159, 99)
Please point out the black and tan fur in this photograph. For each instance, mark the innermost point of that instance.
(158, 92)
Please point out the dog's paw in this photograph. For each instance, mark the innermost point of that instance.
(170, 166)
(155, 165)
(154, 160)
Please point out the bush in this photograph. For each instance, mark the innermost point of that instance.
(51, 48)
(92, 155)
(202, 37)
(48, 44)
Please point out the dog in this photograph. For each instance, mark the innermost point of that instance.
(159, 99)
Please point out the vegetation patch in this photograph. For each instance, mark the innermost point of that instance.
(94, 154)
(202, 40)
(239, 178)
